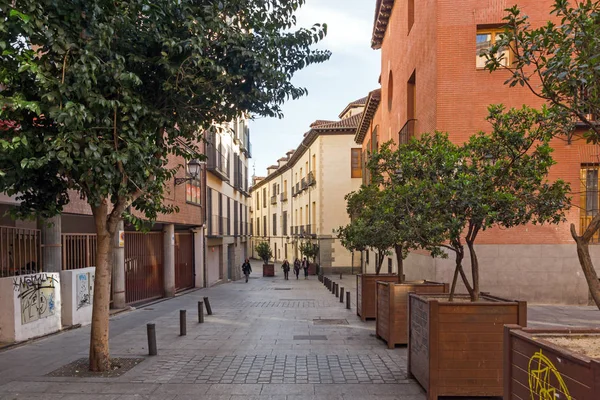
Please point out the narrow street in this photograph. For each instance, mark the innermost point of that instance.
(267, 339)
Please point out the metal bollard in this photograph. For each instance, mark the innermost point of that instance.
(340, 275)
(341, 294)
(337, 290)
(200, 312)
(182, 323)
(207, 304)
(332, 287)
(348, 300)
(151, 330)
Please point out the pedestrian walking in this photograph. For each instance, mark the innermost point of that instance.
(246, 269)
(297, 267)
(286, 270)
(305, 267)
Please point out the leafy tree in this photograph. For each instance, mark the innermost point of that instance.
(559, 63)
(96, 95)
(368, 227)
(496, 179)
(310, 250)
(264, 251)
(409, 206)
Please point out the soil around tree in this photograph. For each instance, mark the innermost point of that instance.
(588, 345)
(80, 368)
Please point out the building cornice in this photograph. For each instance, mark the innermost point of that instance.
(343, 127)
(383, 11)
(367, 116)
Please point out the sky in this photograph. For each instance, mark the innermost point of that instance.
(350, 74)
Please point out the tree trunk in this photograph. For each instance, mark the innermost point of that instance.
(99, 352)
(379, 262)
(454, 281)
(474, 271)
(400, 258)
(583, 252)
(460, 255)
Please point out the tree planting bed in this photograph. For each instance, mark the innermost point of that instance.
(366, 293)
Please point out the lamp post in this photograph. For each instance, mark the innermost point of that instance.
(193, 170)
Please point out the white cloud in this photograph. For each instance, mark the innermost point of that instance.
(346, 33)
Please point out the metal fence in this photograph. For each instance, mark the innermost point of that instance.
(78, 250)
(20, 251)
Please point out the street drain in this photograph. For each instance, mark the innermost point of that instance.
(310, 337)
(330, 322)
(282, 288)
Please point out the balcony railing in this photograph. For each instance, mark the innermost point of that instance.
(283, 196)
(311, 179)
(304, 184)
(217, 163)
(307, 229)
(407, 132)
(302, 230)
(297, 187)
(294, 191)
(273, 200)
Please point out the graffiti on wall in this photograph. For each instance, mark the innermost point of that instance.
(84, 289)
(545, 382)
(36, 294)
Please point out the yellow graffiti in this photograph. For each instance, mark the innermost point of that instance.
(541, 386)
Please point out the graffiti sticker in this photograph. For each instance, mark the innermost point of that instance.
(545, 382)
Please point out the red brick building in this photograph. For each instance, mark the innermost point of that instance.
(433, 79)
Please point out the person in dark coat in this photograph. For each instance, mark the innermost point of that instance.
(305, 267)
(246, 269)
(286, 270)
(297, 268)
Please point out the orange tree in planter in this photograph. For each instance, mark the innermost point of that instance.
(495, 179)
(99, 94)
(559, 63)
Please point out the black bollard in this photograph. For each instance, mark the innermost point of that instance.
(200, 312)
(182, 323)
(348, 300)
(151, 330)
(207, 304)
(332, 288)
(340, 275)
(337, 290)
(341, 295)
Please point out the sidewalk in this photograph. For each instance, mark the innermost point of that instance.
(538, 315)
(267, 339)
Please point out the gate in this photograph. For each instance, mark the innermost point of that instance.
(184, 261)
(143, 266)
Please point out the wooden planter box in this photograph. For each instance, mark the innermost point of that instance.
(392, 308)
(366, 293)
(455, 349)
(312, 269)
(268, 269)
(535, 368)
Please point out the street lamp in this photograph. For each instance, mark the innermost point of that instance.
(193, 170)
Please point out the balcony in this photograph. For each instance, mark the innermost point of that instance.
(307, 229)
(217, 163)
(311, 179)
(297, 187)
(283, 197)
(302, 230)
(407, 132)
(273, 200)
(294, 192)
(304, 184)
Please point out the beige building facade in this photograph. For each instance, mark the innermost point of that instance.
(302, 197)
(227, 199)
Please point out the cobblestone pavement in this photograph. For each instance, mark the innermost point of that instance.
(267, 339)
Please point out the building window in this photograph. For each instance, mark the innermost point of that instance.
(314, 164)
(274, 224)
(257, 233)
(257, 200)
(193, 190)
(589, 197)
(486, 38)
(264, 197)
(411, 97)
(265, 225)
(356, 163)
(284, 224)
